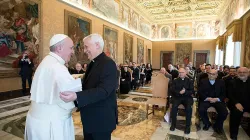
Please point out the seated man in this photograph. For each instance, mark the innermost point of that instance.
(78, 69)
(182, 89)
(228, 80)
(212, 93)
(239, 98)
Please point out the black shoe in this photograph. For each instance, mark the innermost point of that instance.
(172, 128)
(206, 126)
(187, 130)
(233, 137)
(218, 130)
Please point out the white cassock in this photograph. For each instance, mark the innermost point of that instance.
(50, 118)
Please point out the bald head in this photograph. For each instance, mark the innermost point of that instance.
(212, 74)
(182, 73)
(163, 70)
(243, 73)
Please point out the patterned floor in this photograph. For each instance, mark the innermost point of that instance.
(132, 122)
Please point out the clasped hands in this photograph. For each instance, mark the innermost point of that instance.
(182, 91)
(212, 100)
(68, 96)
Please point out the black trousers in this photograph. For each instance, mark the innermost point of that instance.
(187, 102)
(235, 119)
(97, 136)
(220, 108)
(134, 84)
(24, 78)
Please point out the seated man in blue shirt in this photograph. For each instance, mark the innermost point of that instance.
(212, 93)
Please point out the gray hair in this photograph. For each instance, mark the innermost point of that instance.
(53, 47)
(95, 38)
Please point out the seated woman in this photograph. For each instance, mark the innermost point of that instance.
(125, 83)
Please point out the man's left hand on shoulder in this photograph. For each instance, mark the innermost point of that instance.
(68, 96)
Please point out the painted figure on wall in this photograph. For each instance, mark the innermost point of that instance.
(203, 30)
(19, 33)
(77, 28)
(134, 21)
(165, 32)
(140, 51)
(128, 48)
(110, 37)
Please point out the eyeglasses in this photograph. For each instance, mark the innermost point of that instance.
(242, 72)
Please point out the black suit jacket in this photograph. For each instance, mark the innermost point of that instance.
(174, 73)
(97, 101)
(205, 87)
(136, 73)
(26, 68)
(177, 86)
(238, 95)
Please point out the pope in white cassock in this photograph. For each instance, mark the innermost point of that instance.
(49, 118)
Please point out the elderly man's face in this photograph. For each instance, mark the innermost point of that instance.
(212, 75)
(78, 66)
(182, 73)
(67, 49)
(243, 73)
(162, 70)
(90, 48)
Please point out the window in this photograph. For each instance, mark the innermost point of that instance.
(218, 56)
(233, 50)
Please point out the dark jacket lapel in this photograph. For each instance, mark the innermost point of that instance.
(91, 71)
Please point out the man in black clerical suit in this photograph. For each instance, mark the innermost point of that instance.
(204, 75)
(212, 93)
(228, 80)
(239, 97)
(172, 71)
(135, 76)
(78, 69)
(182, 89)
(26, 69)
(97, 100)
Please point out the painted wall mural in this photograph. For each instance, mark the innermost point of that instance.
(135, 21)
(77, 27)
(183, 53)
(108, 8)
(140, 51)
(125, 11)
(128, 48)
(203, 31)
(19, 33)
(110, 37)
(247, 44)
(184, 30)
(145, 27)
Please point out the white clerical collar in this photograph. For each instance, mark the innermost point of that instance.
(57, 57)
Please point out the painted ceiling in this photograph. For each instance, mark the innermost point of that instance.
(165, 11)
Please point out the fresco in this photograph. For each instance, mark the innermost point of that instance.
(19, 33)
(247, 45)
(165, 32)
(110, 37)
(203, 30)
(125, 15)
(128, 48)
(140, 51)
(134, 21)
(183, 53)
(108, 8)
(184, 30)
(77, 27)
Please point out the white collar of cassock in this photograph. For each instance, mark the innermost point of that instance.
(57, 57)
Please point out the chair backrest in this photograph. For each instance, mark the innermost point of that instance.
(159, 86)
